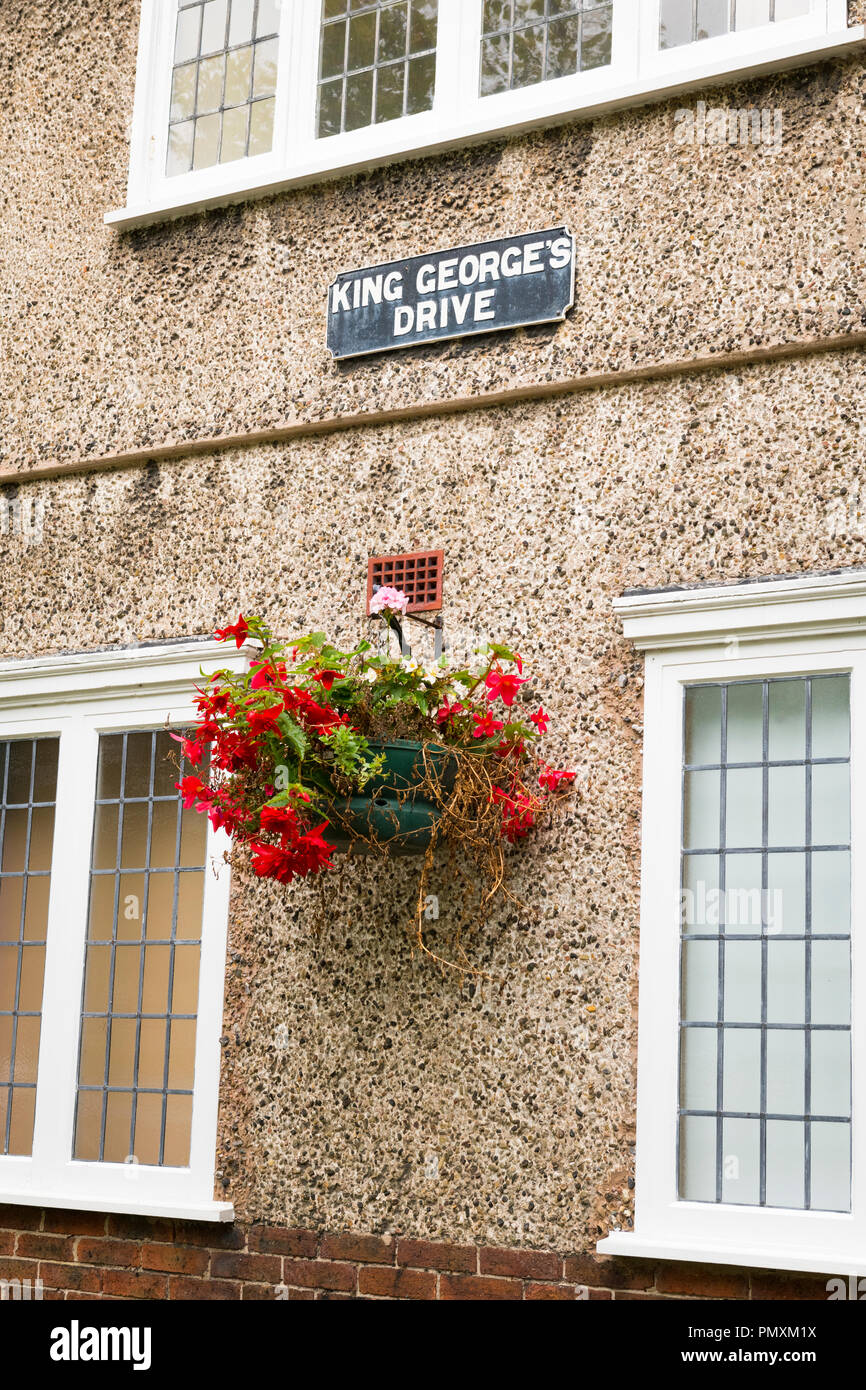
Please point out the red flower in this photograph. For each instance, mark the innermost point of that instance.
(448, 712)
(270, 861)
(192, 750)
(326, 677)
(263, 721)
(314, 717)
(307, 855)
(502, 687)
(551, 779)
(283, 822)
(194, 791)
(486, 726)
(239, 631)
(266, 677)
(540, 720)
(518, 814)
(507, 749)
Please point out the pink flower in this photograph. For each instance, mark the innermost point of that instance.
(540, 720)
(486, 726)
(392, 599)
(552, 779)
(505, 687)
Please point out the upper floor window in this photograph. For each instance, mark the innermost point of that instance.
(240, 98)
(223, 82)
(377, 62)
(529, 41)
(688, 21)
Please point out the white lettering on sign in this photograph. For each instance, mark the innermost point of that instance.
(438, 313)
(508, 283)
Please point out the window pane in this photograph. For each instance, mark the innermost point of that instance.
(214, 117)
(741, 1089)
(697, 1159)
(701, 815)
(741, 1158)
(743, 893)
(699, 1068)
(364, 75)
(141, 987)
(786, 982)
(786, 1072)
(831, 892)
(831, 1167)
(787, 727)
(831, 717)
(786, 1163)
(28, 775)
(831, 804)
(745, 729)
(787, 806)
(261, 127)
(742, 982)
(704, 724)
(700, 981)
(743, 807)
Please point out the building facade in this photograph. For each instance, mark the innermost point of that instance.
(658, 499)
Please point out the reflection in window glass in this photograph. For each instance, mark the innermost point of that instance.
(28, 782)
(140, 995)
(377, 62)
(529, 41)
(688, 21)
(765, 1038)
(223, 82)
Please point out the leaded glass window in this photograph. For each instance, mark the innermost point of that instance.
(765, 1033)
(688, 21)
(137, 1057)
(529, 41)
(28, 784)
(223, 82)
(377, 62)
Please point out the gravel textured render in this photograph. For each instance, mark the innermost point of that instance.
(362, 1088)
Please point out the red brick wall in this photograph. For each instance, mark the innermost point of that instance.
(84, 1255)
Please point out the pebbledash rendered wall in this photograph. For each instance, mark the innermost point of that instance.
(377, 1115)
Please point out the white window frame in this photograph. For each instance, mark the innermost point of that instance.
(740, 632)
(77, 698)
(638, 72)
(717, 56)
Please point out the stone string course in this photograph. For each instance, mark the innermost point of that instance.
(87, 1256)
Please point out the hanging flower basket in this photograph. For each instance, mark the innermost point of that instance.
(316, 752)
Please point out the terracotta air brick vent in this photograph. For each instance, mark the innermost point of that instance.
(418, 576)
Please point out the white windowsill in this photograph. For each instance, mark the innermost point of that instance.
(811, 1261)
(549, 109)
(180, 1211)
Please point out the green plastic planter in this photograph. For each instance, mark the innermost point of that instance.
(404, 766)
(388, 812)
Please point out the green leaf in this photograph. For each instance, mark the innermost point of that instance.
(293, 735)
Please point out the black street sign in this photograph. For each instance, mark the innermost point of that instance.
(508, 283)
